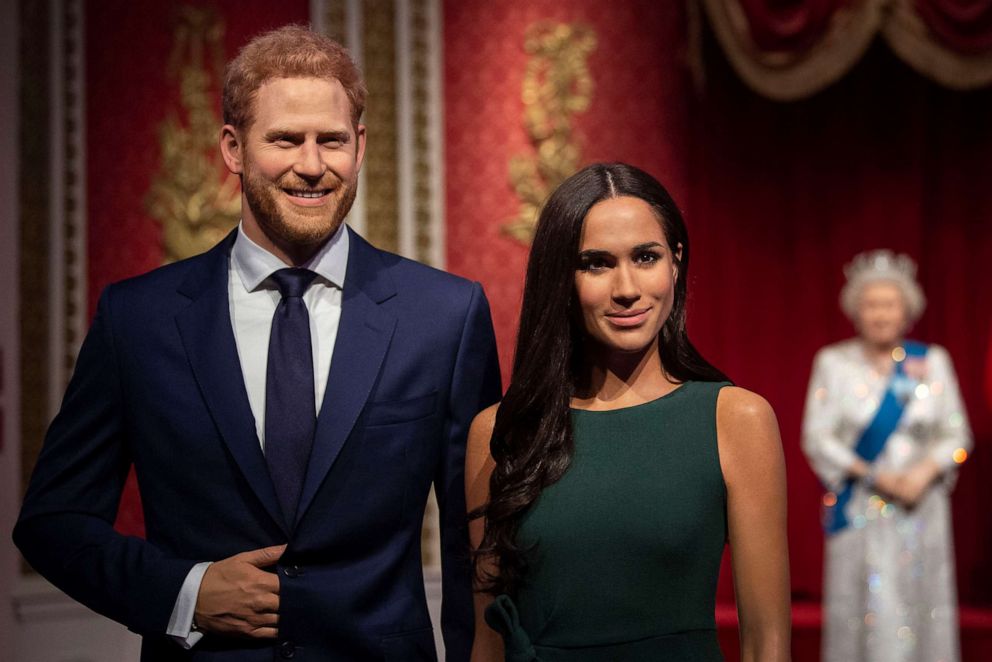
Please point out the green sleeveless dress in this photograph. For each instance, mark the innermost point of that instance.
(625, 549)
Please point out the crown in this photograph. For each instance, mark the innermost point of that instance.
(881, 264)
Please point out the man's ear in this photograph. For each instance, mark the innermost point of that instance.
(360, 146)
(232, 149)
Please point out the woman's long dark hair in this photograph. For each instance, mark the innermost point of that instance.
(532, 438)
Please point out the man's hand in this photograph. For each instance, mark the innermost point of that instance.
(238, 598)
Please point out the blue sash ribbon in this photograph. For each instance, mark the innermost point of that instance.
(873, 438)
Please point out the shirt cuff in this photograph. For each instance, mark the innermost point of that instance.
(181, 621)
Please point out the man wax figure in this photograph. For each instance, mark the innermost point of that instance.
(287, 399)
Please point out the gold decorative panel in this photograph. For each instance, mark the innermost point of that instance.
(334, 17)
(196, 200)
(557, 85)
(51, 314)
(35, 202)
(381, 165)
(73, 223)
(421, 109)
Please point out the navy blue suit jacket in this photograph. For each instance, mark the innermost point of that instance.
(158, 384)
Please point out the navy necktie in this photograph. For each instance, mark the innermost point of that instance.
(290, 413)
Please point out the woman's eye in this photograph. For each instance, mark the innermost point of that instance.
(593, 264)
(647, 257)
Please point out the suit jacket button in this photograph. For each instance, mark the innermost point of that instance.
(292, 571)
(287, 649)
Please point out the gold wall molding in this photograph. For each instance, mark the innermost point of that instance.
(557, 85)
(194, 198)
(35, 202)
(381, 159)
(423, 189)
(73, 200)
(52, 296)
(331, 19)
(397, 44)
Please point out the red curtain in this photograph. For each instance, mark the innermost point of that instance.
(793, 26)
(964, 26)
(782, 195)
(788, 25)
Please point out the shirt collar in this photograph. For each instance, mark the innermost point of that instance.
(254, 264)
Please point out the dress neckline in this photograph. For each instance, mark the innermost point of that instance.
(670, 394)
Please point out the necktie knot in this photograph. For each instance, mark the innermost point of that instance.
(293, 282)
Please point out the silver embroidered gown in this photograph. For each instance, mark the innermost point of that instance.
(889, 587)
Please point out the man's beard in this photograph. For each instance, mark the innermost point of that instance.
(311, 225)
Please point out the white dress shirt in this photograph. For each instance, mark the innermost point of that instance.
(253, 300)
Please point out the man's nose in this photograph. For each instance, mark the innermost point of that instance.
(309, 164)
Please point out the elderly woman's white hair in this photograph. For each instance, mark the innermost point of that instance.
(882, 265)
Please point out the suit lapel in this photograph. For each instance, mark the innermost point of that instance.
(208, 337)
(364, 333)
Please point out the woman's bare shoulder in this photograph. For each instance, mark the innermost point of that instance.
(747, 432)
(479, 463)
(739, 406)
(485, 420)
(481, 431)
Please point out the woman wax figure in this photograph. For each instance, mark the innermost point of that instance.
(619, 463)
(884, 429)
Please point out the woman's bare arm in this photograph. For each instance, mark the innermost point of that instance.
(488, 645)
(754, 472)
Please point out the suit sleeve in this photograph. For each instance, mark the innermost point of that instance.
(65, 529)
(475, 385)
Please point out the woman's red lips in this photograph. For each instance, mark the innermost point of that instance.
(628, 317)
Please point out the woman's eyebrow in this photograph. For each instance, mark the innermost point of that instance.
(599, 252)
(595, 252)
(645, 246)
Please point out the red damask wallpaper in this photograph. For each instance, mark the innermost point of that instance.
(636, 115)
